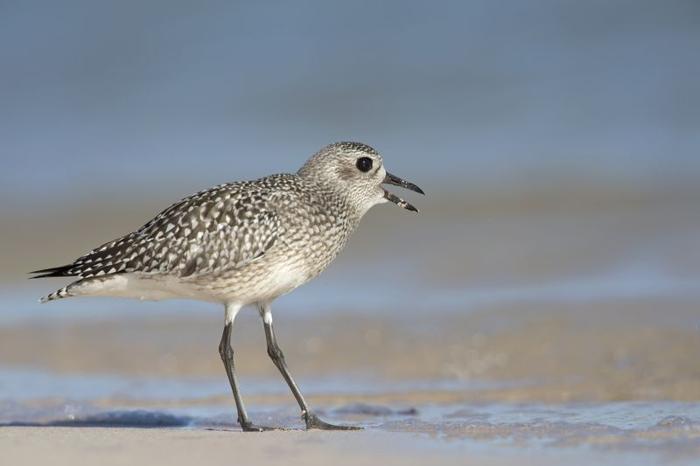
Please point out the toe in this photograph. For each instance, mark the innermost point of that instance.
(249, 427)
(314, 422)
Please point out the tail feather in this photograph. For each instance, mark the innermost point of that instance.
(61, 271)
(58, 294)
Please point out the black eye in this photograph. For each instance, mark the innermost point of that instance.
(364, 164)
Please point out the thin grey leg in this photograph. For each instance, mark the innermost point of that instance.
(226, 352)
(275, 352)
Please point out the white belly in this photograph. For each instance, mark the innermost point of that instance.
(141, 287)
(280, 280)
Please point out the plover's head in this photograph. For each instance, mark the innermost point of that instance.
(357, 171)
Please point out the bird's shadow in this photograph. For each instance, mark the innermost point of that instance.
(125, 419)
(138, 419)
(145, 419)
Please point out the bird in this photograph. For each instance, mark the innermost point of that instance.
(243, 244)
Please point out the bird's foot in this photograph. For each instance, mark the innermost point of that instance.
(314, 422)
(250, 427)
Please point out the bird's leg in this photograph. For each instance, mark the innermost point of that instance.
(226, 352)
(275, 352)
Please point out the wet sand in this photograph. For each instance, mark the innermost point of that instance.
(66, 446)
(620, 434)
(526, 385)
(77, 446)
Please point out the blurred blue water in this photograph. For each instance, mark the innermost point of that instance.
(101, 97)
(377, 298)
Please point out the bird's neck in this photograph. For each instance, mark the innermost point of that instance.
(337, 199)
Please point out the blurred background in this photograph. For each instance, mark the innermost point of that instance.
(556, 257)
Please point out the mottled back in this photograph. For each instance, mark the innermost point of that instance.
(222, 228)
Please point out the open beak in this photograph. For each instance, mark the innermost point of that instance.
(396, 181)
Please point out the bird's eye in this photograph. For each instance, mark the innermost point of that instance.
(364, 164)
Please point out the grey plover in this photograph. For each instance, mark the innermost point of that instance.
(243, 243)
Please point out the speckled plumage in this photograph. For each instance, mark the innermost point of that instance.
(244, 241)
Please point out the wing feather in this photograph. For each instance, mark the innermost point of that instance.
(223, 228)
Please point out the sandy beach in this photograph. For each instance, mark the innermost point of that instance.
(109, 446)
(570, 355)
(477, 433)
